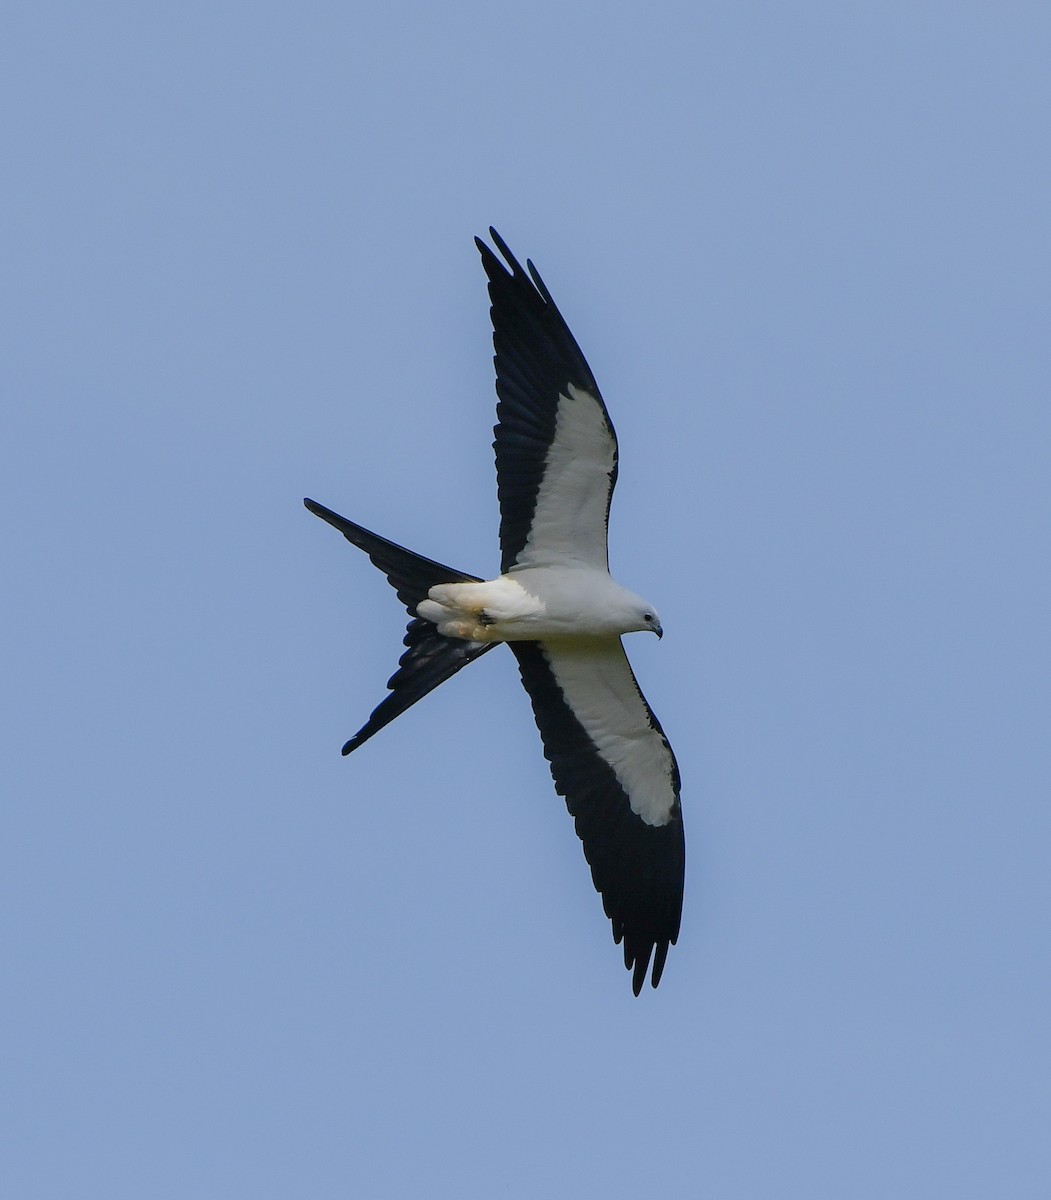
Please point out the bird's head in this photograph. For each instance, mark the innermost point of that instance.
(647, 619)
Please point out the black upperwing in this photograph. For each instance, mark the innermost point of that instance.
(556, 450)
(430, 658)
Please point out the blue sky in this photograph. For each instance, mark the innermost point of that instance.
(805, 248)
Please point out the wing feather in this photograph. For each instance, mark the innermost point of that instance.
(612, 763)
(556, 450)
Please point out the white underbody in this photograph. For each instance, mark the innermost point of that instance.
(576, 614)
(535, 604)
(560, 595)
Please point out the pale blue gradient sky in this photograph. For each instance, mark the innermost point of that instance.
(806, 250)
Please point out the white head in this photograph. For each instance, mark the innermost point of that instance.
(641, 616)
(651, 622)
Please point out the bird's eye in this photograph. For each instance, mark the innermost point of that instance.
(647, 616)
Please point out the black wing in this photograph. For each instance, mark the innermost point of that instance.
(612, 763)
(556, 451)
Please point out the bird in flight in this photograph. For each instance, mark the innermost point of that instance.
(560, 612)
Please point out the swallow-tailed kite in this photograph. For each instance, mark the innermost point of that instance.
(556, 606)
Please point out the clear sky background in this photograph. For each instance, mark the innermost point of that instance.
(805, 248)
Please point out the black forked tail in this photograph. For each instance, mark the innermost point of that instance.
(431, 658)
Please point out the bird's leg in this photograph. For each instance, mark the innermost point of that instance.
(458, 611)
